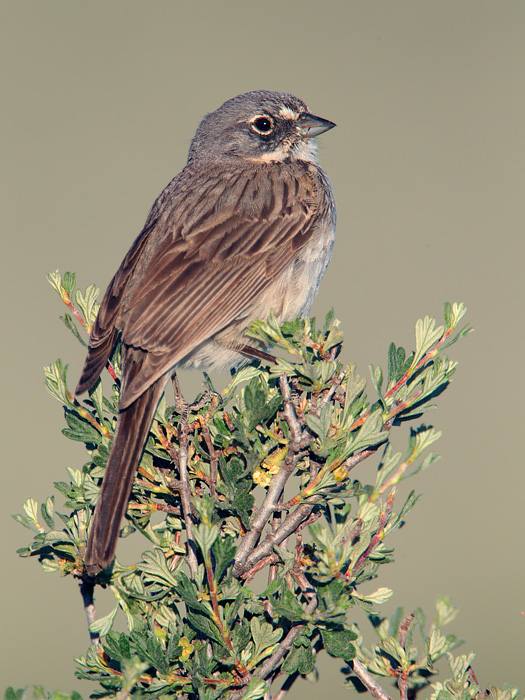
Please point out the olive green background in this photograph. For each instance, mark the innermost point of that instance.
(100, 102)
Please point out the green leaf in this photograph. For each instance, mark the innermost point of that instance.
(381, 595)
(80, 430)
(320, 425)
(56, 384)
(438, 644)
(377, 378)
(117, 646)
(445, 611)
(255, 689)
(69, 282)
(245, 374)
(338, 642)
(395, 650)
(12, 694)
(104, 624)
(240, 636)
(203, 624)
(398, 364)
(26, 522)
(70, 325)
(156, 569)
(205, 536)
(300, 659)
(264, 636)
(189, 593)
(427, 335)
(47, 510)
(87, 303)
(224, 552)
(288, 607)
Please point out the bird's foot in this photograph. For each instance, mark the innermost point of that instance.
(184, 409)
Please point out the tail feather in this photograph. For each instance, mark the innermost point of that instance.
(130, 436)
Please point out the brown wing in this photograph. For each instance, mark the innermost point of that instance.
(219, 240)
(105, 331)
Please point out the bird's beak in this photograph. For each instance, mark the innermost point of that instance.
(311, 126)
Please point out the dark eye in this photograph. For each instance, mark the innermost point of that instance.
(262, 125)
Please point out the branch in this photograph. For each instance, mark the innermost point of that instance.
(309, 592)
(336, 382)
(376, 538)
(290, 680)
(295, 452)
(184, 483)
(278, 655)
(286, 686)
(291, 523)
(298, 518)
(214, 460)
(185, 501)
(289, 411)
(402, 679)
(354, 460)
(270, 560)
(370, 684)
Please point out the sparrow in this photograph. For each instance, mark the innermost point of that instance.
(246, 227)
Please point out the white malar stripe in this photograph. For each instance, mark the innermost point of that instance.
(305, 150)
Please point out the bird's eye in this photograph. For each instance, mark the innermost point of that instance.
(262, 125)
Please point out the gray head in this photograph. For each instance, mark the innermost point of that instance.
(258, 126)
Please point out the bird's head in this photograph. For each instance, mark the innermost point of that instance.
(258, 126)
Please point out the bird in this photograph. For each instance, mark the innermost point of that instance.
(247, 227)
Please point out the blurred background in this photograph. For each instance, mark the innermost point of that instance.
(100, 102)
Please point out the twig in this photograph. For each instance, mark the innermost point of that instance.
(297, 518)
(87, 415)
(315, 475)
(185, 492)
(376, 538)
(354, 460)
(274, 661)
(295, 452)
(214, 460)
(299, 577)
(111, 371)
(291, 523)
(404, 628)
(278, 655)
(286, 686)
(370, 684)
(86, 590)
(402, 679)
(290, 680)
(212, 587)
(289, 411)
(67, 301)
(64, 295)
(163, 508)
(184, 486)
(432, 352)
(270, 560)
(394, 478)
(336, 382)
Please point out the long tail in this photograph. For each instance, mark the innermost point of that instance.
(130, 436)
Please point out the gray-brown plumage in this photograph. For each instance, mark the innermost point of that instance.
(246, 227)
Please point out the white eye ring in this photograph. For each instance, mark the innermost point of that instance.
(262, 124)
